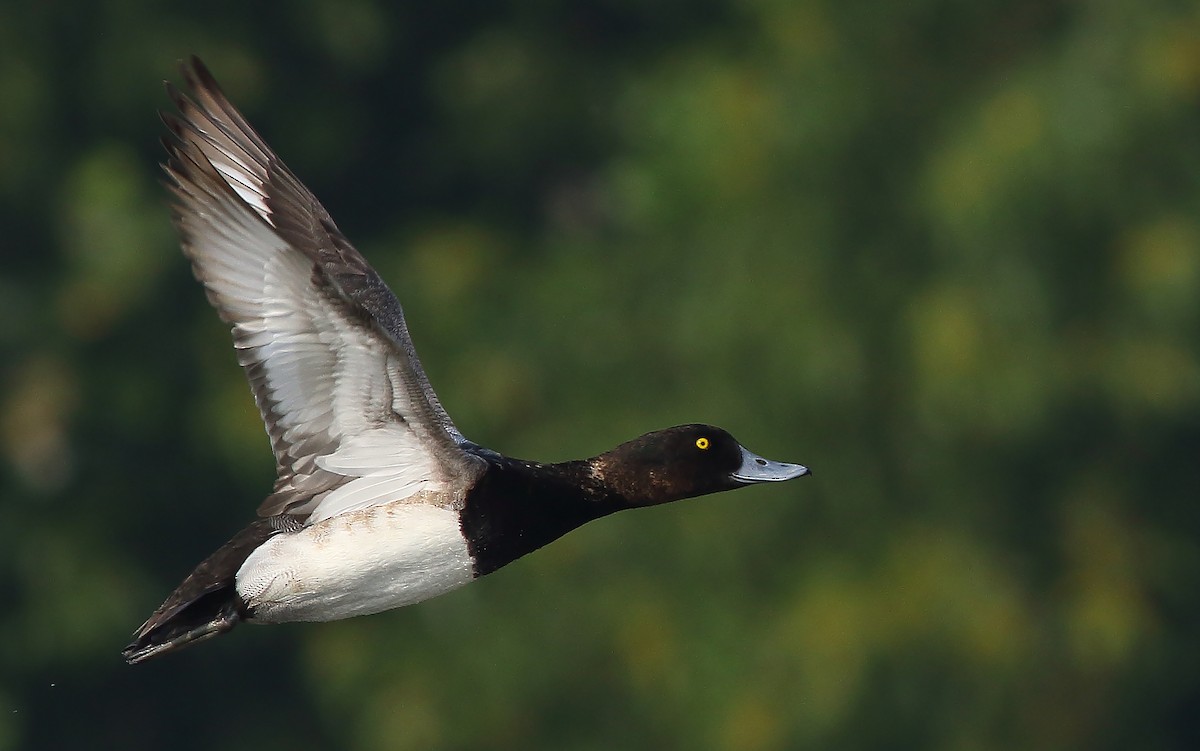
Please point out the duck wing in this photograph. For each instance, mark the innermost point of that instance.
(349, 411)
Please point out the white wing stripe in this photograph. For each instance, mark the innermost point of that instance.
(367, 491)
(375, 452)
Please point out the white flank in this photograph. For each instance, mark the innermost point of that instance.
(356, 563)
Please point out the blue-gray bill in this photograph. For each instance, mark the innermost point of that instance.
(757, 469)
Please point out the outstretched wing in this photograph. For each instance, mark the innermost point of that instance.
(351, 416)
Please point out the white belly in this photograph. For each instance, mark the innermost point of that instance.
(356, 563)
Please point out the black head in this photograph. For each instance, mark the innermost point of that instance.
(682, 462)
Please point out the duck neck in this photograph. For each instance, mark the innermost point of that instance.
(518, 506)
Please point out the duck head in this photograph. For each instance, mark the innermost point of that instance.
(683, 462)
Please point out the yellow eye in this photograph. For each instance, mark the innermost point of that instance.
(701, 443)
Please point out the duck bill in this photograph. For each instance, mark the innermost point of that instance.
(756, 469)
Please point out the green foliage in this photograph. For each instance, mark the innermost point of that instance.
(947, 254)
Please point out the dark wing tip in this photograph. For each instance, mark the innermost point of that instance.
(177, 97)
(173, 123)
(200, 80)
(194, 71)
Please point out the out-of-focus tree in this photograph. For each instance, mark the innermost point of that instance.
(948, 254)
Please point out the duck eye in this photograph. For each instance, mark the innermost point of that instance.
(701, 443)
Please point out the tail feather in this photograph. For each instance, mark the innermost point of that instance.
(211, 615)
(206, 604)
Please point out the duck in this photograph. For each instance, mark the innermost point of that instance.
(379, 500)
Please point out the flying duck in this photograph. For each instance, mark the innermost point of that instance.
(379, 500)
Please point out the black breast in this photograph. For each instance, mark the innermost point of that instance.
(517, 507)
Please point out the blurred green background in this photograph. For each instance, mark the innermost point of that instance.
(945, 253)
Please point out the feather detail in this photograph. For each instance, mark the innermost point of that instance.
(322, 339)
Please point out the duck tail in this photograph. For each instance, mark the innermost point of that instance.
(211, 614)
(205, 605)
